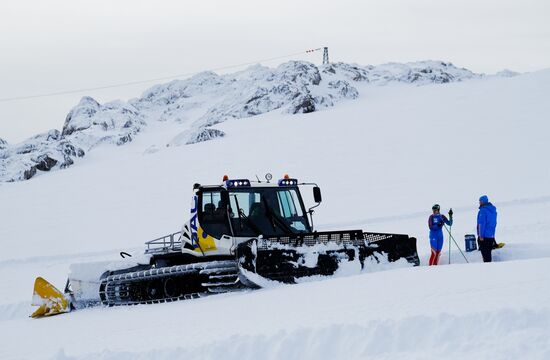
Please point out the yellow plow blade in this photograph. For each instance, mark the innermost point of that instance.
(49, 300)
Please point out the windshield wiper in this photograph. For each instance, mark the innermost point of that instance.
(242, 216)
(276, 219)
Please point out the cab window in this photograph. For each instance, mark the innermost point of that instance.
(290, 209)
(213, 217)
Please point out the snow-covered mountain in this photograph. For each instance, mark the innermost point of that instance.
(382, 160)
(207, 99)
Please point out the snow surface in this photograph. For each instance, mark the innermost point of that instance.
(381, 160)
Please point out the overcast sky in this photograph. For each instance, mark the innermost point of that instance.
(57, 45)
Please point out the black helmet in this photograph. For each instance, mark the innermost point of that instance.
(436, 207)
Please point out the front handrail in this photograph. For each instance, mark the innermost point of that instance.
(166, 243)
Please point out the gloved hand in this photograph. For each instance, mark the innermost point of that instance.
(451, 213)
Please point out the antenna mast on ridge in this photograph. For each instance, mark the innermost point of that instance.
(325, 55)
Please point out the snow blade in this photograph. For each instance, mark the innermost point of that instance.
(49, 300)
(287, 258)
(394, 246)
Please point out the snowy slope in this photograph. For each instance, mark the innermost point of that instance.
(381, 161)
(453, 312)
(204, 100)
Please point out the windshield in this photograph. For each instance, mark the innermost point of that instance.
(254, 211)
(266, 211)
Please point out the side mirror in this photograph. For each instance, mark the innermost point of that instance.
(317, 194)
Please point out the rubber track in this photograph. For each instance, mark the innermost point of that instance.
(222, 277)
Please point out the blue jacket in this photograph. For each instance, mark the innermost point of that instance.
(436, 221)
(487, 221)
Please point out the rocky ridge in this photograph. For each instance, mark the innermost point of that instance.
(204, 100)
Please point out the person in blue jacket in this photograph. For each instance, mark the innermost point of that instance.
(486, 226)
(435, 223)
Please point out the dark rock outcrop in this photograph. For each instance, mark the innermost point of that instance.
(29, 173)
(45, 163)
(205, 135)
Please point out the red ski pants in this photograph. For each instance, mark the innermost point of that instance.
(434, 258)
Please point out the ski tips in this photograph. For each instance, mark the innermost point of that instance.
(48, 298)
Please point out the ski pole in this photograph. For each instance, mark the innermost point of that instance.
(458, 247)
(449, 245)
(450, 228)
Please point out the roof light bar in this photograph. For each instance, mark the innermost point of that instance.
(288, 182)
(237, 183)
